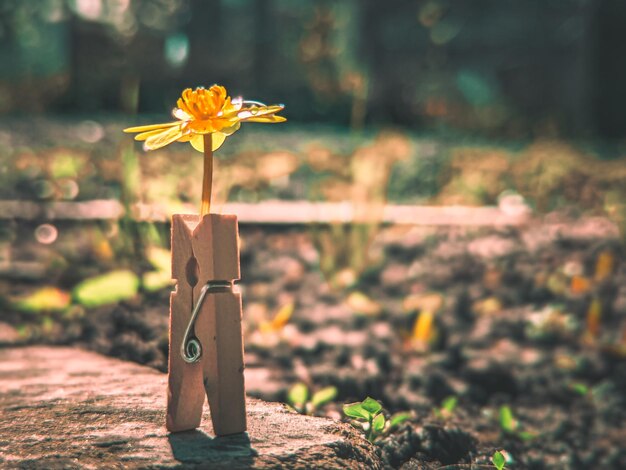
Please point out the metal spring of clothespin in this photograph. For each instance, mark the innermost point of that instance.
(191, 348)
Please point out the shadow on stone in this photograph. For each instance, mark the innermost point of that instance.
(196, 446)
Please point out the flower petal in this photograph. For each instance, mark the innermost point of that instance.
(253, 112)
(237, 103)
(164, 138)
(218, 140)
(151, 127)
(145, 135)
(180, 114)
(183, 101)
(272, 118)
(197, 141)
(231, 130)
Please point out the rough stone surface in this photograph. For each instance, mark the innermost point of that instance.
(68, 408)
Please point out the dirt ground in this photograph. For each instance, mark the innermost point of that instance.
(528, 320)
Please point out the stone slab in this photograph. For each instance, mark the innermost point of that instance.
(68, 408)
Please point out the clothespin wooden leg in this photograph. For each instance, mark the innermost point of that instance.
(205, 254)
(184, 393)
(220, 335)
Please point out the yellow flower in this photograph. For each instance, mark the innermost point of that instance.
(201, 112)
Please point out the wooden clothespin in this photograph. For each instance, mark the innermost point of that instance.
(206, 345)
(206, 349)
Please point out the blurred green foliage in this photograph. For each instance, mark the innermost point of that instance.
(107, 288)
(306, 401)
(44, 299)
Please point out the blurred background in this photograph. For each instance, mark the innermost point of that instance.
(477, 146)
(480, 97)
(489, 68)
(485, 73)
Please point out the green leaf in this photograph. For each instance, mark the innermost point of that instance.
(507, 421)
(378, 425)
(153, 281)
(449, 404)
(371, 405)
(45, 299)
(498, 460)
(526, 435)
(161, 277)
(398, 418)
(107, 289)
(323, 396)
(356, 410)
(298, 395)
(579, 388)
(160, 258)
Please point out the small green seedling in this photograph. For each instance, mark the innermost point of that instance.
(510, 425)
(448, 405)
(398, 418)
(579, 388)
(498, 460)
(507, 422)
(298, 398)
(368, 416)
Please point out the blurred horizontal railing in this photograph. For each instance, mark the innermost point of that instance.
(271, 212)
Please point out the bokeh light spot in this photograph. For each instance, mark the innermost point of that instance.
(90, 131)
(177, 49)
(46, 234)
(476, 87)
(444, 32)
(430, 13)
(69, 188)
(88, 9)
(43, 189)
